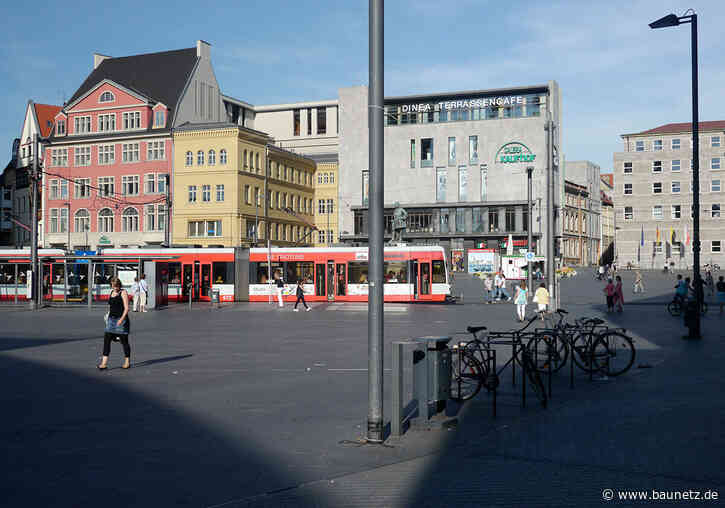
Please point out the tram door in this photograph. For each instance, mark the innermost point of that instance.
(330, 281)
(414, 279)
(201, 281)
(320, 280)
(341, 280)
(425, 280)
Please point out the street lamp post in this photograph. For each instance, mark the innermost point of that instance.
(668, 21)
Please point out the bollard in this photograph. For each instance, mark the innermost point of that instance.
(397, 420)
(432, 381)
(191, 288)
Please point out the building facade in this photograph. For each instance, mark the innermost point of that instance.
(588, 175)
(456, 162)
(577, 238)
(109, 164)
(653, 195)
(607, 219)
(326, 192)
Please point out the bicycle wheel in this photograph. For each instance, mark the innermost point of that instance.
(581, 352)
(613, 353)
(467, 376)
(541, 345)
(535, 382)
(674, 308)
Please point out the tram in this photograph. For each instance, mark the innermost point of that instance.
(415, 273)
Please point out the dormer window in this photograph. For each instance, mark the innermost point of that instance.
(60, 127)
(159, 118)
(107, 97)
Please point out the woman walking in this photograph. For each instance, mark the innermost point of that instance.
(721, 292)
(638, 286)
(520, 300)
(618, 295)
(279, 287)
(301, 296)
(541, 297)
(609, 291)
(488, 284)
(117, 324)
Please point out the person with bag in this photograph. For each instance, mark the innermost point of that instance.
(541, 297)
(135, 294)
(301, 297)
(520, 299)
(118, 325)
(279, 287)
(143, 290)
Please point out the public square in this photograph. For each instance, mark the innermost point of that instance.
(247, 405)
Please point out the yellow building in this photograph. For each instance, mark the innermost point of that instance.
(326, 203)
(219, 169)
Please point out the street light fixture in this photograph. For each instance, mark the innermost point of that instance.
(665, 22)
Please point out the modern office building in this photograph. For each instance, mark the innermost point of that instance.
(588, 175)
(653, 195)
(456, 162)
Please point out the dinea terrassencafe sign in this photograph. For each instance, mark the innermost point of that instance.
(514, 152)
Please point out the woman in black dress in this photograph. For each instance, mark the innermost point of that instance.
(117, 325)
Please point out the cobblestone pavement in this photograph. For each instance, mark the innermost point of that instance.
(247, 406)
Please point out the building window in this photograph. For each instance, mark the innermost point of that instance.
(460, 220)
(106, 97)
(220, 192)
(443, 220)
(130, 152)
(60, 127)
(676, 144)
(200, 158)
(657, 212)
(330, 206)
(296, 122)
(159, 118)
(82, 188)
(82, 124)
(156, 150)
(256, 162)
(106, 154)
(189, 158)
(150, 183)
(627, 188)
(64, 189)
(715, 211)
(330, 237)
(206, 193)
(715, 247)
(320, 206)
(321, 120)
(675, 165)
(657, 145)
(657, 188)
(715, 141)
(130, 185)
(441, 184)
(412, 153)
(715, 185)
(319, 178)
(715, 163)
(462, 183)
(627, 168)
(54, 186)
(309, 121)
(332, 177)
(132, 120)
(106, 123)
(150, 218)
(53, 220)
(493, 220)
(451, 151)
(106, 186)
(426, 153)
(212, 158)
(510, 219)
(105, 221)
(82, 221)
(657, 166)
(222, 156)
(244, 160)
(82, 156)
(484, 181)
(59, 157)
(320, 236)
(639, 146)
(192, 193)
(675, 187)
(365, 187)
(676, 211)
(325, 178)
(473, 149)
(129, 220)
(628, 213)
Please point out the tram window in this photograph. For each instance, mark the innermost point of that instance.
(258, 272)
(58, 273)
(439, 272)
(223, 272)
(396, 271)
(23, 273)
(296, 270)
(357, 273)
(174, 273)
(7, 274)
(103, 274)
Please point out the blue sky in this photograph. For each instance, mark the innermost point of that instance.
(616, 75)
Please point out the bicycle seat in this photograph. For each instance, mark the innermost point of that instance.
(561, 311)
(474, 329)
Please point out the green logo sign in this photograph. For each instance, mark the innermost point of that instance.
(514, 152)
(104, 241)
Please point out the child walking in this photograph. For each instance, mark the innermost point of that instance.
(520, 300)
(301, 297)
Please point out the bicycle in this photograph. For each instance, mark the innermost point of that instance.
(676, 305)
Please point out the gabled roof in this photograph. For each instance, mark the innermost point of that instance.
(45, 114)
(675, 128)
(161, 76)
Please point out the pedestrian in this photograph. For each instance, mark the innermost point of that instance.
(618, 295)
(541, 297)
(710, 282)
(143, 291)
(600, 275)
(301, 297)
(134, 294)
(520, 300)
(721, 292)
(488, 285)
(638, 286)
(502, 288)
(118, 325)
(279, 287)
(681, 289)
(609, 291)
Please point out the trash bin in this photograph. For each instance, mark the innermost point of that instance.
(438, 358)
(215, 296)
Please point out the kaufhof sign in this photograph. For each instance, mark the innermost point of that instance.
(483, 102)
(514, 152)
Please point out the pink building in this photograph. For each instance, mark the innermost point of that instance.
(109, 163)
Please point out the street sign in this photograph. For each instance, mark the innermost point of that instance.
(529, 256)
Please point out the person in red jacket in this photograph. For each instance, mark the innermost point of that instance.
(618, 296)
(609, 291)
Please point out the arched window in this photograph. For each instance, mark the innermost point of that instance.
(332, 177)
(200, 158)
(105, 221)
(326, 178)
(319, 177)
(189, 158)
(212, 157)
(251, 160)
(256, 162)
(82, 221)
(245, 159)
(106, 97)
(222, 156)
(129, 220)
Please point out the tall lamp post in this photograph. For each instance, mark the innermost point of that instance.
(665, 22)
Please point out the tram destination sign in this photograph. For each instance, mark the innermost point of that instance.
(481, 102)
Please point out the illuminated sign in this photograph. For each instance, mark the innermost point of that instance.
(514, 152)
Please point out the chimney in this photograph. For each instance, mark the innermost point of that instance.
(97, 59)
(203, 50)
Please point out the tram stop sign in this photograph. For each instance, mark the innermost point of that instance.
(529, 256)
